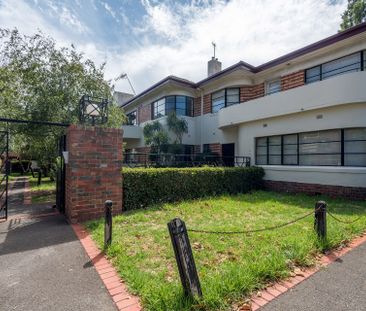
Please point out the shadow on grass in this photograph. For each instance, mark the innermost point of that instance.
(339, 206)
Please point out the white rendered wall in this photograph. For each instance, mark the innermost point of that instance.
(342, 116)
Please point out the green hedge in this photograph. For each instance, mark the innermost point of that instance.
(143, 187)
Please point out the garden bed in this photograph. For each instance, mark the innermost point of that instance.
(229, 266)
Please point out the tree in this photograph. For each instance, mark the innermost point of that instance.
(178, 126)
(354, 14)
(40, 81)
(155, 135)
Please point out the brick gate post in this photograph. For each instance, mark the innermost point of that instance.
(93, 171)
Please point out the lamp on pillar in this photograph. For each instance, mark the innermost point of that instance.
(93, 110)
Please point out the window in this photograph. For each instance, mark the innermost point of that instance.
(232, 96)
(346, 64)
(132, 118)
(355, 147)
(339, 147)
(182, 105)
(320, 148)
(273, 86)
(206, 148)
(218, 101)
(274, 150)
(261, 150)
(224, 98)
(159, 108)
(290, 150)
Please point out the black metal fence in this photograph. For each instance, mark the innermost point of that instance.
(182, 160)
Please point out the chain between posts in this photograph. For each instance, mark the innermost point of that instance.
(342, 221)
(255, 230)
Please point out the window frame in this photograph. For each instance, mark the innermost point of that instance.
(135, 121)
(361, 62)
(271, 81)
(343, 150)
(189, 106)
(225, 96)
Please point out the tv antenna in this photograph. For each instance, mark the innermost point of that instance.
(214, 47)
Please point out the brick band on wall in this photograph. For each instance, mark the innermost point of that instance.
(314, 189)
(293, 80)
(207, 103)
(93, 172)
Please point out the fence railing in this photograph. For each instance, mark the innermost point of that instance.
(182, 160)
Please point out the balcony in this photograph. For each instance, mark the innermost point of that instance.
(132, 132)
(343, 89)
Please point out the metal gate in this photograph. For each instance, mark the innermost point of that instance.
(4, 173)
(60, 177)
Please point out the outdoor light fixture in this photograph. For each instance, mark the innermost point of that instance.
(93, 110)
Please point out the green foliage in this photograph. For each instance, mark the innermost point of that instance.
(144, 187)
(354, 14)
(40, 81)
(155, 135)
(177, 126)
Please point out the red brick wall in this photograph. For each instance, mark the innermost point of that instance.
(207, 103)
(197, 107)
(93, 174)
(251, 92)
(144, 113)
(293, 80)
(216, 148)
(313, 189)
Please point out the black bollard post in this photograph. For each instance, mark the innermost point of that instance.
(320, 224)
(184, 257)
(108, 223)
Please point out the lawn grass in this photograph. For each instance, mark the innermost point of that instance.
(46, 185)
(229, 266)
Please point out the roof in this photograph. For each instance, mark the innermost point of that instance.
(255, 69)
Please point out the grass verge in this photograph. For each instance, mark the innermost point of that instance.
(229, 266)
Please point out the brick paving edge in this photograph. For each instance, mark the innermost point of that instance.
(115, 286)
(272, 292)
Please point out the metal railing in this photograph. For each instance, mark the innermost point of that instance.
(182, 160)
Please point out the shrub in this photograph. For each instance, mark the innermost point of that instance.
(145, 186)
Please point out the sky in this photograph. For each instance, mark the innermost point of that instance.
(150, 39)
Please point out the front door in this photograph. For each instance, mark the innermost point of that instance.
(228, 154)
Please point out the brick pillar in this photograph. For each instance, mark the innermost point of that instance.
(93, 172)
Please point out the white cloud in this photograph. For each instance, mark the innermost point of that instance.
(176, 38)
(109, 9)
(253, 31)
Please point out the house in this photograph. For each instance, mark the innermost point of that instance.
(302, 116)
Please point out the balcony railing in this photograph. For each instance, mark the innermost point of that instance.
(182, 160)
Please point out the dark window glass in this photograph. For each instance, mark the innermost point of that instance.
(355, 147)
(189, 108)
(232, 96)
(181, 105)
(274, 150)
(346, 64)
(206, 148)
(159, 108)
(312, 74)
(320, 148)
(218, 101)
(290, 149)
(132, 118)
(261, 150)
(170, 104)
(273, 87)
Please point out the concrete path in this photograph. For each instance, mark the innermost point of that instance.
(44, 267)
(338, 287)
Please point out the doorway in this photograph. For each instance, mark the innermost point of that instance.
(228, 154)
